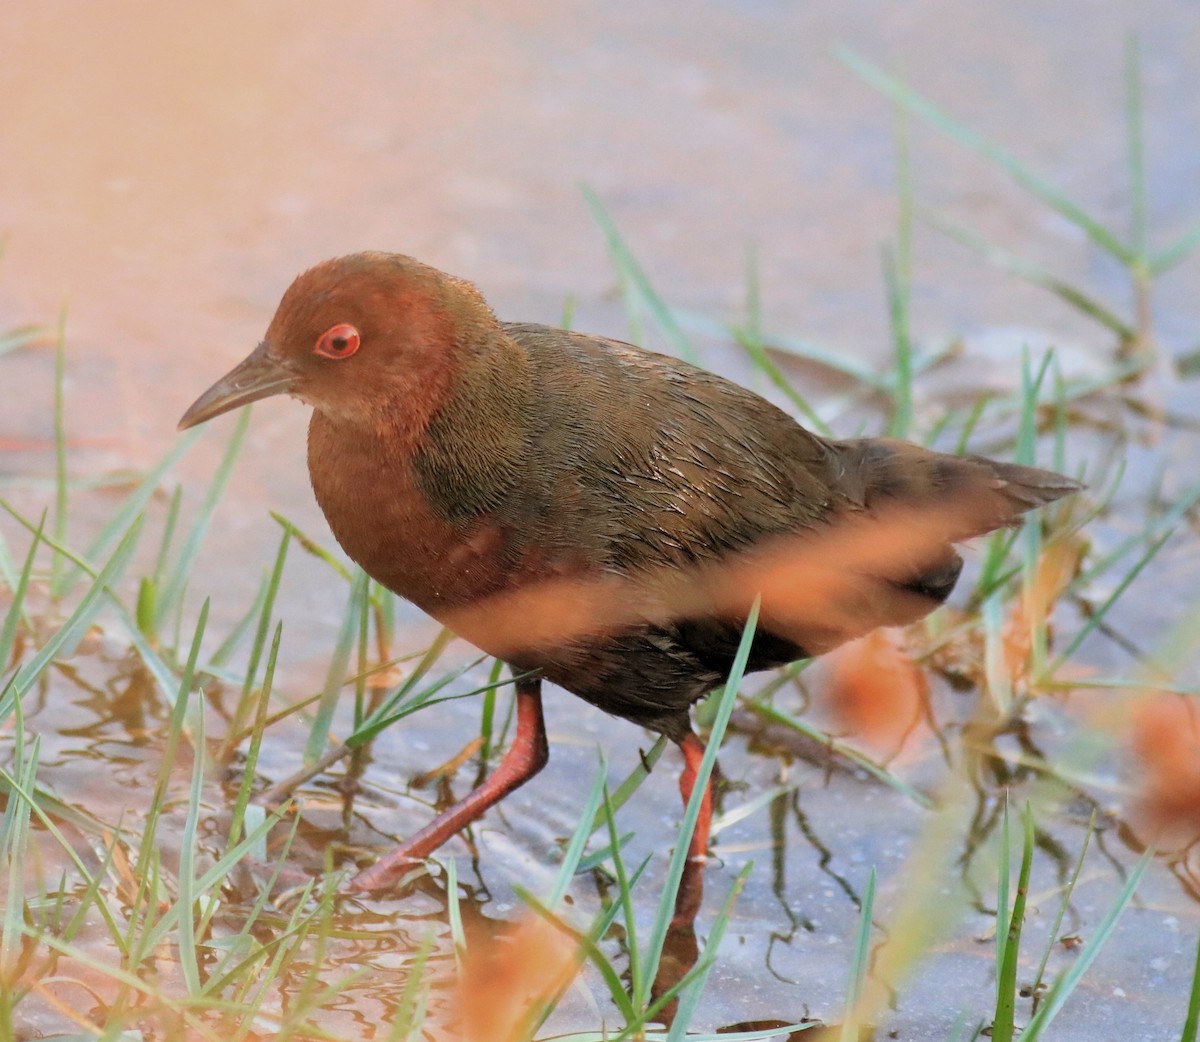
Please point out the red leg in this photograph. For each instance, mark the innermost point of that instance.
(693, 752)
(526, 756)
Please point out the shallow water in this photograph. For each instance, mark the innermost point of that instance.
(786, 954)
(170, 199)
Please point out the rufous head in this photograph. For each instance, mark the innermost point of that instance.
(355, 337)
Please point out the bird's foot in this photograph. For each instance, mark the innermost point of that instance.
(386, 874)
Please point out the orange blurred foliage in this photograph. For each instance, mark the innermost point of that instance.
(509, 979)
(876, 691)
(1166, 744)
(819, 588)
(1056, 567)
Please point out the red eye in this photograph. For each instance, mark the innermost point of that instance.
(340, 341)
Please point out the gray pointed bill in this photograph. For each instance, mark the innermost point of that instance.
(258, 376)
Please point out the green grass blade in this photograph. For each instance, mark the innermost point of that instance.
(1003, 897)
(171, 597)
(8, 571)
(1003, 1027)
(151, 659)
(901, 397)
(409, 1016)
(168, 535)
(579, 837)
(1193, 1008)
(458, 935)
(60, 450)
(1032, 273)
(1134, 121)
(752, 343)
(750, 337)
(21, 336)
(1031, 389)
(1098, 615)
(362, 654)
(71, 632)
(311, 546)
(995, 668)
(897, 269)
(806, 350)
(14, 843)
(628, 267)
(848, 752)
(339, 665)
(403, 700)
(1176, 253)
(175, 730)
(246, 790)
(689, 997)
(624, 895)
(859, 963)
(666, 907)
(970, 423)
(47, 809)
(399, 705)
(264, 607)
(187, 895)
(133, 505)
(487, 714)
(211, 879)
(1164, 524)
(1064, 985)
(590, 951)
(1044, 190)
(633, 780)
(103, 584)
(8, 633)
(1062, 911)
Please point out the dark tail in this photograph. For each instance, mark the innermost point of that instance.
(946, 499)
(1025, 488)
(975, 495)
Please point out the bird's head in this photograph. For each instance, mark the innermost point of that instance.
(358, 337)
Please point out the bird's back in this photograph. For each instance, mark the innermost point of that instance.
(653, 462)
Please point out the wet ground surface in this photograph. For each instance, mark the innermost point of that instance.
(169, 199)
(786, 955)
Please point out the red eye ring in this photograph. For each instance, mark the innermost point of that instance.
(338, 342)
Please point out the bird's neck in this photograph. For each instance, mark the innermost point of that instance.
(475, 445)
